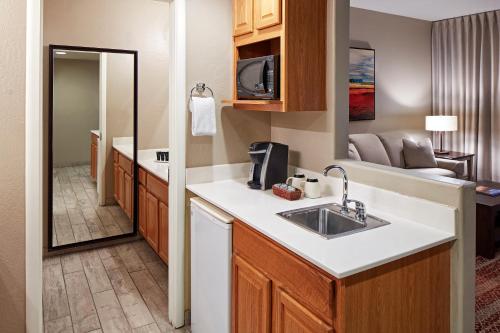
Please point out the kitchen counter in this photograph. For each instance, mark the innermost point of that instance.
(341, 257)
(146, 158)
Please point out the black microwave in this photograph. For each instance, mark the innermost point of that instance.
(258, 78)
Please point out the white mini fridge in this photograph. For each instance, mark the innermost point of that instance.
(211, 250)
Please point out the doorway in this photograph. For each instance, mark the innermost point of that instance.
(35, 131)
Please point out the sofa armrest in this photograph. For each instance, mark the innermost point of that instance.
(456, 166)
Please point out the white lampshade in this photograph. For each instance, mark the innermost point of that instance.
(441, 123)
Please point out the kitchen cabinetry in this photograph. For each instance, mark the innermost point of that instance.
(276, 290)
(153, 212)
(93, 156)
(296, 31)
(267, 13)
(243, 17)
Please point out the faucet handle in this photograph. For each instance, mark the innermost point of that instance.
(360, 210)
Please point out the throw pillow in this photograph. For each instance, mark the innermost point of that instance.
(419, 154)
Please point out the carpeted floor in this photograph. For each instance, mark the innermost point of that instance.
(488, 294)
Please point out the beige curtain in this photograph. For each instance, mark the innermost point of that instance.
(466, 84)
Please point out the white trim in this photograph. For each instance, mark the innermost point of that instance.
(101, 151)
(177, 172)
(34, 169)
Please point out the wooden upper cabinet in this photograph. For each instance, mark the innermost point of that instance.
(251, 299)
(267, 13)
(291, 316)
(243, 17)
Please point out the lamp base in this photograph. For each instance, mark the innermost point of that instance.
(441, 152)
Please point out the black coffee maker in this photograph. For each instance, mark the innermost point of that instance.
(269, 164)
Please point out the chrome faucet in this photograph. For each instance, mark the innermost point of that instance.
(360, 207)
(345, 209)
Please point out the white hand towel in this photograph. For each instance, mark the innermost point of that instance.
(203, 116)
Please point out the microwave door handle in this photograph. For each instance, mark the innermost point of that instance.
(262, 75)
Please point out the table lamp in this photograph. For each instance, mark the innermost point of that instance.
(441, 124)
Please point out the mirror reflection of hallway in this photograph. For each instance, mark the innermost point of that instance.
(92, 110)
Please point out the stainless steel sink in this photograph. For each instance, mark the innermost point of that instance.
(329, 222)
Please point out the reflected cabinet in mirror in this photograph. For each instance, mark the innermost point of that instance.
(92, 145)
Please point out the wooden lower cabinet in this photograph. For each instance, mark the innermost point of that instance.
(152, 221)
(142, 209)
(251, 298)
(163, 231)
(274, 290)
(93, 162)
(291, 316)
(128, 189)
(117, 181)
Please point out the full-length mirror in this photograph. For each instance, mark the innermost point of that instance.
(92, 145)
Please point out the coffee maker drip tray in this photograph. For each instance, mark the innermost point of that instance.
(254, 185)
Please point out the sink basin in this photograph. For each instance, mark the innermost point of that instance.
(328, 221)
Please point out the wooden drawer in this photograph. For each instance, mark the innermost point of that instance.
(158, 188)
(115, 155)
(142, 176)
(94, 138)
(125, 164)
(314, 288)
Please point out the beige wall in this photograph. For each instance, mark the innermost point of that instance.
(122, 24)
(12, 221)
(403, 69)
(315, 139)
(119, 109)
(76, 110)
(209, 60)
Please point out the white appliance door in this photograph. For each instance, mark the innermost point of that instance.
(211, 248)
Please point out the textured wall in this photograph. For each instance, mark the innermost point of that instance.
(403, 69)
(210, 60)
(76, 110)
(123, 24)
(12, 216)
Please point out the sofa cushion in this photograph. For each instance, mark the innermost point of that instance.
(418, 154)
(370, 148)
(353, 153)
(393, 144)
(437, 172)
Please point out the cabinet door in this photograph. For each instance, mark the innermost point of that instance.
(152, 221)
(128, 193)
(163, 232)
(142, 210)
(93, 161)
(251, 299)
(243, 17)
(267, 13)
(117, 183)
(121, 187)
(289, 316)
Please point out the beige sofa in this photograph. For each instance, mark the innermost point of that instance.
(387, 149)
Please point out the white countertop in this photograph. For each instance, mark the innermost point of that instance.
(146, 158)
(96, 133)
(341, 256)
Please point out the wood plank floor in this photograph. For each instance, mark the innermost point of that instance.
(76, 215)
(121, 288)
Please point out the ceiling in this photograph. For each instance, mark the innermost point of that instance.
(430, 10)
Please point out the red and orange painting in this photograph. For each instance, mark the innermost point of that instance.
(361, 84)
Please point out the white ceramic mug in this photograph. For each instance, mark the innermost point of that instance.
(297, 181)
(312, 188)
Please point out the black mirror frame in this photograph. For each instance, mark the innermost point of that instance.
(50, 184)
